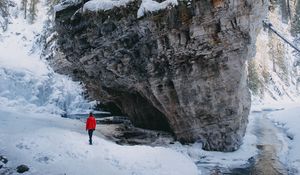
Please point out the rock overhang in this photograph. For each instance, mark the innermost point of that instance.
(180, 69)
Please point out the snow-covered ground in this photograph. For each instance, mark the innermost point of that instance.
(50, 144)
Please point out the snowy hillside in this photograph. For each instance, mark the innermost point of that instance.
(26, 81)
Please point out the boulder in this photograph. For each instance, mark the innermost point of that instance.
(22, 168)
(3, 159)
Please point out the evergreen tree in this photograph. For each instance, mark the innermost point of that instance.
(24, 7)
(32, 10)
(4, 14)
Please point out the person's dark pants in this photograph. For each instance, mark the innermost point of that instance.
(91, 135)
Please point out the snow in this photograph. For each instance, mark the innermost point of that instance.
(26, 80)
(289, 119)
(97, 5)
(53, 145)
(149, 6)
(16, 43)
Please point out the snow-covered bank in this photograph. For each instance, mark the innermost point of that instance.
(52, 145)
(289, 119)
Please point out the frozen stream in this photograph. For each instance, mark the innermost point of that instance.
(272, 149)
(271, 144)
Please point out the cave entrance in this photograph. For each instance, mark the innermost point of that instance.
(139, 110)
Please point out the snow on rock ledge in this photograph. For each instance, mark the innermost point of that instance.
(64, 4)
(146, 5)
(97, 5)
(151, 6)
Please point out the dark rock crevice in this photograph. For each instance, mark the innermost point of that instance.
(180, 69)
(151, 118)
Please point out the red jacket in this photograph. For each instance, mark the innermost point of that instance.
(90, 123)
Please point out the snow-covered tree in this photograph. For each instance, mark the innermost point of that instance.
(32, 10)
(4, 14)
(24, 7)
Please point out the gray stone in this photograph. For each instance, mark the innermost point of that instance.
(3, 159)
(181, 69)
(22, 168)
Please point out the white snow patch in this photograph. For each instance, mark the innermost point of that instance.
(97, 5)
(149, 6)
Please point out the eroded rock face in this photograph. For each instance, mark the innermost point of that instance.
(180, 69)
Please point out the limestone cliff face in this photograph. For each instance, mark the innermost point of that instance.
(181, 69)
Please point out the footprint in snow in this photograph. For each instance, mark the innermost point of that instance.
(44, 159)
(74, 155)
(22, 146)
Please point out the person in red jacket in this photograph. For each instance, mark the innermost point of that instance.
(90, 126)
